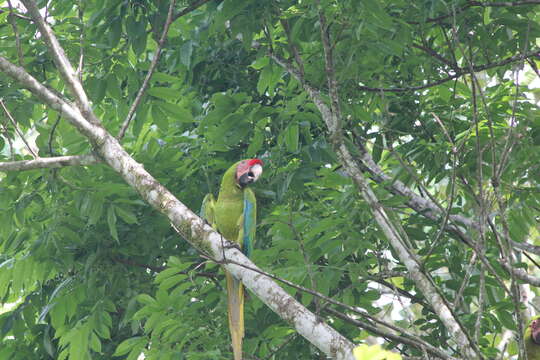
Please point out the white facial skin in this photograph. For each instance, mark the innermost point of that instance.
(255, 172)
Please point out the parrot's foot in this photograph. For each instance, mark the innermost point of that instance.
(232, 246)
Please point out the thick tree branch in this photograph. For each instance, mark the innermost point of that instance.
(194, 229)
(49, 163)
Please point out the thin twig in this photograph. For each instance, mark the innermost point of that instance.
(190, 8)
(465, 282)
(161, 268)
(13, 22)
(80, 67)
(281, 346)
(8, 138)
(437, 56)
(16, 127)
(51, 135)
(475, 3)
(461, 72)
(292, 46)
(307, 261)
(146, 81)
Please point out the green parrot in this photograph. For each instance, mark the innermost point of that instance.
(234, 216)
(532, 339)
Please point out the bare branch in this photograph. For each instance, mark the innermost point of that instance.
(146, 81)
(437, 56)
(522, 274)
(49, 163)
(461, 72)
(14, 123)
(13, 22)
(8, 138)
(20, 16)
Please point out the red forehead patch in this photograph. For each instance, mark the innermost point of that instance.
(255, 161)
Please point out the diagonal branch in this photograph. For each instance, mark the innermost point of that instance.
(153, 65)
(193, 229)
(17, 130)
(69, 75)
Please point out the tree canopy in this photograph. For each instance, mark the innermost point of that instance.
(399, 204)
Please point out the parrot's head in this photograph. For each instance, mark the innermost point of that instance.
(248, 171)
(535, 331)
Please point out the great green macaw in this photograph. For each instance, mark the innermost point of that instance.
(532, 339)
(234, 216)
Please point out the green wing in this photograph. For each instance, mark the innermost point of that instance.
(208, 209)
(249, 217)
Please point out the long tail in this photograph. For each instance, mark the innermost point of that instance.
(235, 300)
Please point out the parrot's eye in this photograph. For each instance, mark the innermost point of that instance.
(250, 174)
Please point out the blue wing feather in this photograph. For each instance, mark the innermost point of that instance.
(249, 219)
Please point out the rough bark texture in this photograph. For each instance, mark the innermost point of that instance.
(49, 163)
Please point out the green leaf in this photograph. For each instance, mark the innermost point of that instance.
(186, 51)
(113, 87)
(260, 63)
(95, 343)
(114, 32)
(160, 118)
(146, 299)
(125, 214)
(291, 137)
(111, 220)
(125, 346)
(164, 93)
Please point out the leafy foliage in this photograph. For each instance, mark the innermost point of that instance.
(95, 273)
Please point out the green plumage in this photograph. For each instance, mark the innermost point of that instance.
(234, 216)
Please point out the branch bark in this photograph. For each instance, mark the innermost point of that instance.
(193, 228)
(49, 163)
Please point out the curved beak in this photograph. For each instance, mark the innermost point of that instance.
(250, 176)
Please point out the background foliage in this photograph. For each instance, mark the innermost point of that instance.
(94, 272)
